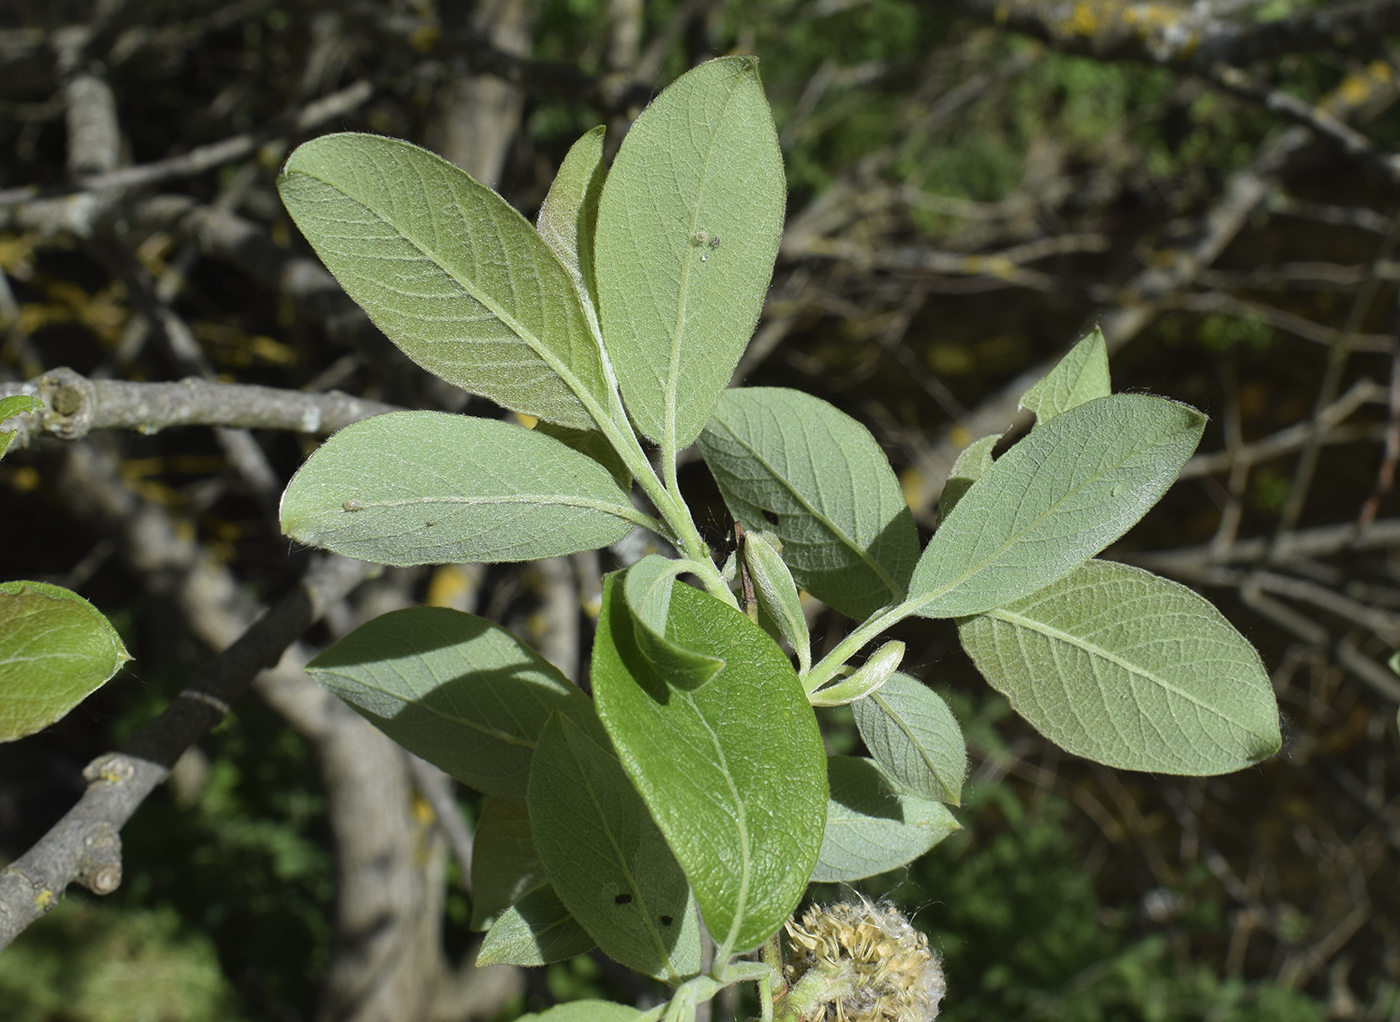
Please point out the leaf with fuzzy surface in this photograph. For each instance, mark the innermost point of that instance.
(432, 488)
(732, 771)
(450, 272)
(688, 229)
(915, 738)
(1080, 376)
(536, 930)
(796, 466)
(454, 688)
(605, 857)
(1058, 497)
(1128, 669)
(872, 826)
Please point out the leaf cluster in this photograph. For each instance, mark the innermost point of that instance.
(694, 784)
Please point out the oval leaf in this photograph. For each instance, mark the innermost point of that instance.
(1058, 497)
(455, 689)
(536, 930)
(647, 588)
(1080, 376)
(973, 462)
(56, 649)
(606, 860)
(872, 826)
(915, 738)
(1128, 669)
(688, 228)
(796, 466)
(433, 488)
(450, 272)
(732, 771)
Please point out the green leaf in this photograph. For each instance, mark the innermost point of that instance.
(433, 488)
(688, 228)
(536, 930)
(863, 682)
(450, 272)
(872, 826)
(794, 465)
(505, 865)
(56, 649)
(11, 406)
(1080, 376)
(568, 219)
(606, 859)
(973, 462)
(584, 1011)
(777, 593)
(915, 738)
(647, 588)
(455, 689)
(732, 771)
(1058, 497)
(1122, 667)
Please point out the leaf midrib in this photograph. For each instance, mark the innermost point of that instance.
(673, 362)
(625, 512)
(898, 719)
(1094, 649)
(919, 602)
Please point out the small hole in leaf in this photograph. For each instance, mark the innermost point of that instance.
(771, 517)
(622, 899)
(666, 920)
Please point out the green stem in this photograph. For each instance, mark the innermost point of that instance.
(666, 496)
(682, 530)
(826, 669)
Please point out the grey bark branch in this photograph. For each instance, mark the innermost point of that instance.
(82, 846)
(78, 405)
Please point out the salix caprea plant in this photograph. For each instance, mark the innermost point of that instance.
(692, 788)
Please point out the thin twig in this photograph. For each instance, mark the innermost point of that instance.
(83, 846)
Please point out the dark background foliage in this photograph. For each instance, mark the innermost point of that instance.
(971, 187)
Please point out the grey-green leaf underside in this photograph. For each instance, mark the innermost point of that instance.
(1080, 376)
(872, 826)
(450, 272)
(1055, 499)
(688, 228)
(914, 737)
(1120, 666)
(433, 488)
(536, 930)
